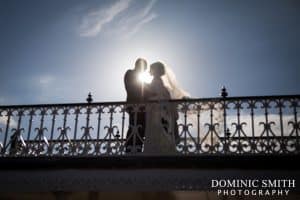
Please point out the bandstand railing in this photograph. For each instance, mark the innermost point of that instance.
(207, 126)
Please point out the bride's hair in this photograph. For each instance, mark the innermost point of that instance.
(157, 69)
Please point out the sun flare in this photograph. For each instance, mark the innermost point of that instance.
(145, 77)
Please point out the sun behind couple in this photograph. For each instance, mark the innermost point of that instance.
(153, 128)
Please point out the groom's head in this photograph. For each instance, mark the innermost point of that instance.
(140, 65)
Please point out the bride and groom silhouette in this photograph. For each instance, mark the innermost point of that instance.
(153, 126)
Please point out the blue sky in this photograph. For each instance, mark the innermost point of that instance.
(57, 51)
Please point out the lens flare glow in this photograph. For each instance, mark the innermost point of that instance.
(145, 77)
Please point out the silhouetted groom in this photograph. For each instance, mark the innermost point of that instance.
(135, 94)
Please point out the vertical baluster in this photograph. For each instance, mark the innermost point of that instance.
(198, 129)
(63, 131)
(122, 131)
(186, 149)
(54, 113)
(211, 127)
(31, 114)
(239, 126)
(21, 114)
(280, 105)
(224, 94)
(88, 113)
(27, 148)
(66, 128)
(252, 106)
(43, 112)
(110, 129)
(266, 105)
(296, 124)
(74, 143)
(176, 127)
(8, 114)
(77, 112)
(99, 111)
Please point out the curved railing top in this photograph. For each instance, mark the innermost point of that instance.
(191, 100)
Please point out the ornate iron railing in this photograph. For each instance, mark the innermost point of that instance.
(225, 125)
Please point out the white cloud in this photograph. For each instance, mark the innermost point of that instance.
(45, 80)
(121, 18)
(133, 23)
(93, 22)
(136, 28)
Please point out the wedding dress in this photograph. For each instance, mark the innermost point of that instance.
(161, 117)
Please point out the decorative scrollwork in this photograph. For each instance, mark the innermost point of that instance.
(64, 140)
(227, 125)
(17, 141)
(41, 140)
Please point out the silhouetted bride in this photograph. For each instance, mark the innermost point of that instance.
(161, 118)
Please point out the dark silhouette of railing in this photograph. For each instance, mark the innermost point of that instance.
(225, 125)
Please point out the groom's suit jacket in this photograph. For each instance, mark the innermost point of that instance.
(133, 87)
